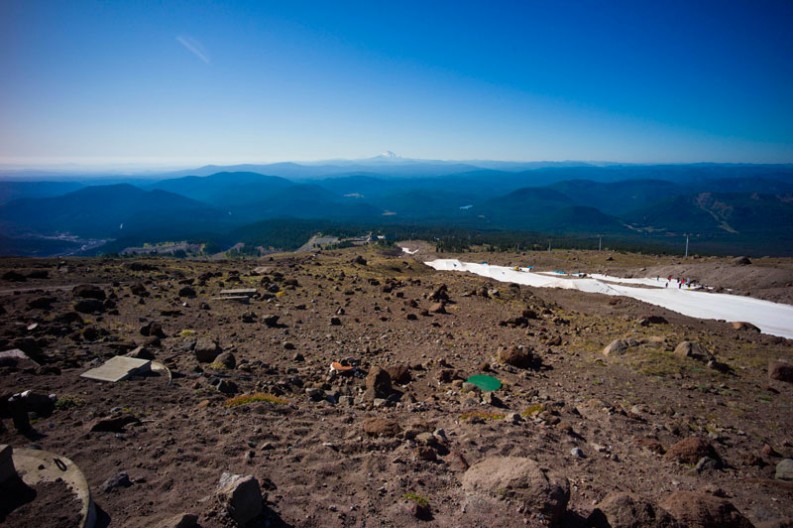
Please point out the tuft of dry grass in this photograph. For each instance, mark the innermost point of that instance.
(247, 399)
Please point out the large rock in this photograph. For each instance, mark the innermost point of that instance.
(517, 356)
(521, 480)
(700, 510)
(784, 470)
(206, 350)
(625, 510)
(241, 496)
(378, 384)
(690, 450)
(780, 371)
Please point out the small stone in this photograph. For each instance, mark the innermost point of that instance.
(271, 321)
(227, 387)
(381, 427)
(780, 371)
(180, 520)
(119, 480)
(517, 356)
(187, 291)
(226, 359)
(691, 450)
(335, 321)
(784, 470)
(438, 308)
(576, 452)
(206, 350)
(378, 384)
(141, 352)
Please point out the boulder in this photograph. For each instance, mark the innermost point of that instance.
(206, 350)
(520, 480)
(690, 450)
(517, 356)
(780, 371)
(700, 510)
(625, 510)
(741, 261)
(378, 384)
(241, 496)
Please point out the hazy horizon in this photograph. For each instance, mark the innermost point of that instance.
(182, 85)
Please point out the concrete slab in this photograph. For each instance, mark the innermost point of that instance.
(7, 469)
(118, 368)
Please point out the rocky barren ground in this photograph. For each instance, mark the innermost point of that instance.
(682, 423)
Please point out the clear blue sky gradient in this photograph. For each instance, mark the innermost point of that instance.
(194, 82)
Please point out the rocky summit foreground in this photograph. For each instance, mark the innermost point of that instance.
(333, 390)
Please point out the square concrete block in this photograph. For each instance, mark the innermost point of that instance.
(118, 368)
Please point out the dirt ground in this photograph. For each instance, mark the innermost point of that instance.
(346, 450)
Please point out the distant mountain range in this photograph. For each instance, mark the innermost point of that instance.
(729, 206)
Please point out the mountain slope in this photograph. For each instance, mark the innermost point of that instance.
(110, 211)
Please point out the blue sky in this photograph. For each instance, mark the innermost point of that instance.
(196, 82)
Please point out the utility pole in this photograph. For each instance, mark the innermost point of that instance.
(687, 235)
(600, 242)
(549, 246)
